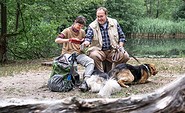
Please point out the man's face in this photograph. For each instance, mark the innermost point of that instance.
(78, 26)
(101, 17)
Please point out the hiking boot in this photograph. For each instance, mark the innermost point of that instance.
(77, 83)
(84, 87)
(77, 80)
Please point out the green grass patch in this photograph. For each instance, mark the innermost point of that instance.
(21, 66)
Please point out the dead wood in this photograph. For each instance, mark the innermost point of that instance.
(169, 99)
(47, 63)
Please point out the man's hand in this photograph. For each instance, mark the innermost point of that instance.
(83, 46)
(120, 48)
(86, 43)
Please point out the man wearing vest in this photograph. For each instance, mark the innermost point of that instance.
(106, 40)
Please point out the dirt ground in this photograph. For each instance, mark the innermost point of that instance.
(31, 83)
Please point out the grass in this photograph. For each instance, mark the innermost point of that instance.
(21, 66)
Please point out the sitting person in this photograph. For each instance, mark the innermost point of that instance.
(106, 39)
(70, 38)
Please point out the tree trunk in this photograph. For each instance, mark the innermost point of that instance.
(3, 42)
(157, 12)
(169, 99)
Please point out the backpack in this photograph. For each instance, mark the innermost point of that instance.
(64, 73)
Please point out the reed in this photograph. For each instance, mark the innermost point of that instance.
(158, 26)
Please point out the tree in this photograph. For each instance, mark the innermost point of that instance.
(160, 8)
(3, 36)
(33, 24)
(4, 26)
(180, 13)
(125, 11)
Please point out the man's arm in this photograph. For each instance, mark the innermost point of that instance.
(88, 37)
(121, 34)
(60, 39)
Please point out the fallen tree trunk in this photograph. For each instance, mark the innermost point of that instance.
(169, 99)
(47, 63)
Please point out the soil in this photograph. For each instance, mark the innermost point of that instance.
(31, 83)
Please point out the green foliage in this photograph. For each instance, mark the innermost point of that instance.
(89, 9)
(129, 12)
(180, 13)
(160, 8)
(38, 22)
(36, 43)
(125, 12)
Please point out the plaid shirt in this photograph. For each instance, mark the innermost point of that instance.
(105, 37)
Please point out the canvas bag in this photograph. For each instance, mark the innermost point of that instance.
(61, 65)
(61, 79)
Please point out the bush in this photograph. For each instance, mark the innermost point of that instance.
(37, 43)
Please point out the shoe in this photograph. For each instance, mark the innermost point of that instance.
(84, 87)
(77, 83)
(77, 80)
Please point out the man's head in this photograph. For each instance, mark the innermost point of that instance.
(80, 22)
(101, 15)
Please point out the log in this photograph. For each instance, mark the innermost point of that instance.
(49, 63)
(168, 99)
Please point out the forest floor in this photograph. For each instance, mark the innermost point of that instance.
(28, 79)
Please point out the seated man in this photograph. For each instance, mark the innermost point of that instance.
(70, 39)
(107, 40)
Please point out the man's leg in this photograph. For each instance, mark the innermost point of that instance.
(99, 57)
(88, 63)
(107, 66)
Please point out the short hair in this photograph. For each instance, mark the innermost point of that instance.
(104, 9)
(81, 20)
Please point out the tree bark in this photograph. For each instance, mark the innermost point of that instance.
(3, 42)
(169, 99)
(157, 12)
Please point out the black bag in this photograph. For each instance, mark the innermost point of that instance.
(59, 84)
